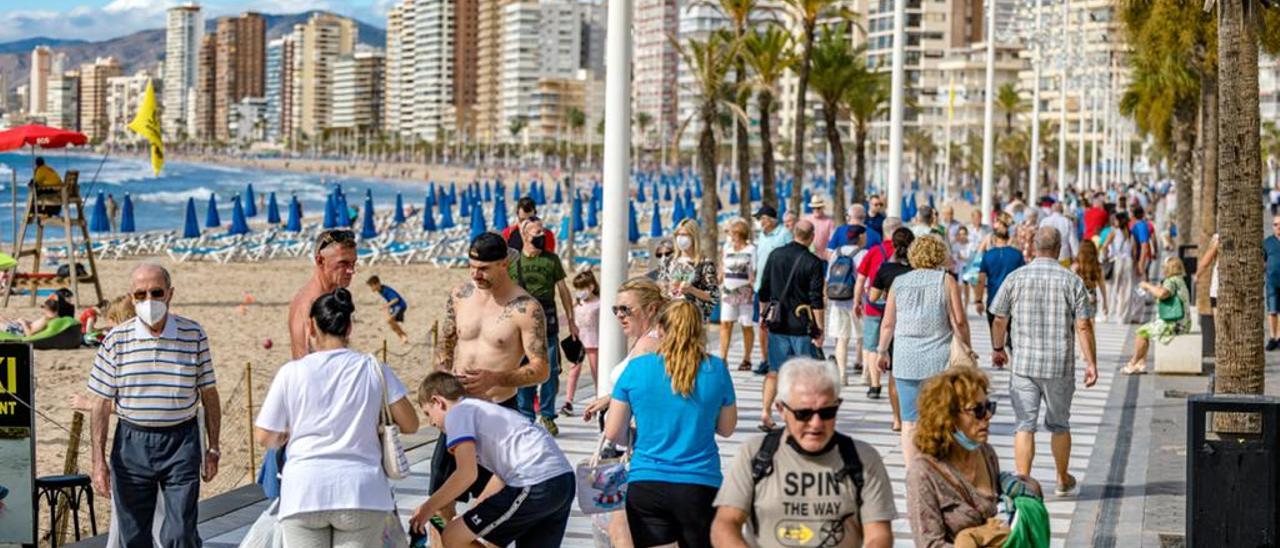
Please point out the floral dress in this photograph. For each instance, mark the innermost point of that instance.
(700, 275)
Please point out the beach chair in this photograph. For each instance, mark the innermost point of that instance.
(182, 254)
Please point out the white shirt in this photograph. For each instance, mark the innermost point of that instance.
(1066, 231)
(519, 453)
(329, 403)
(738, 264)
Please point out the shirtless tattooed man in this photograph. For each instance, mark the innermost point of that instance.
(492, 327)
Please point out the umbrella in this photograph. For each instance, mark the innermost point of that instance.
(688, 194)
(488, 192)
(428, 217)
(250, 202)
(126, 215)
(733, 194)
(477, 222)
(98, 221)
(191, 228)
(593, 219)
(666, 194)
(330, 213)
(295, 216)
(782, 206)
(633, 226)
(499, 212)
(677, 212)
(446, 215)
(40, 136)
(273, 209)
(369, 229)
(559, 198)
(564, 229)
(453, 193)
(655, 222)
(541, 195)
(211, 219)
(515, 194)
(640, 192)
(399, 213)
(690, 210)
(465, 210)
(238, 222)
(578, 225)
(341, 210)
(804, 201)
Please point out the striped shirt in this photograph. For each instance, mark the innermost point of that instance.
(154, 381)
(1044, 300)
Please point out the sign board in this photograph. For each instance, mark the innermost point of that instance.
(17, 446)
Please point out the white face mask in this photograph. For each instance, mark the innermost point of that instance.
(684, 242)
(151, 312)
(582, 294)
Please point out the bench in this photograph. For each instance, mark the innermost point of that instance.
(1183, 354)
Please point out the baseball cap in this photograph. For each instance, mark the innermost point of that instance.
(488, 247)
(766, 210)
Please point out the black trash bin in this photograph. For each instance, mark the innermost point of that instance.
(1233, 484)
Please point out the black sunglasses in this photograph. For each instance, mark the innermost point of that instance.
(155, 293)
(335, 236)
(622, 310)
(662, 255)
(825, 413)
(982, 410)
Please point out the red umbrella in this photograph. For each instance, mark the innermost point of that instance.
(40, 136)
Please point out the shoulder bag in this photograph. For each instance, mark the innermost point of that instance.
(1170, 309)
(960, 355)
(394, 461)
(771, 315)
(602, 482)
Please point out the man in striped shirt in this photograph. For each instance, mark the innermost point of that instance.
(155, 369)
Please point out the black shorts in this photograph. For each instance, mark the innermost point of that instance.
(531, 517)
(443, 465)
(397, 313)
(660, 513)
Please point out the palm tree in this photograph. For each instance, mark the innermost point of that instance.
(1015, 149)
(921, 143)
(643, 119)
(834, 71)
(516, 127)
(867, 99)
(768, 52)
(709, 63)
(805, 14)
(576, 120)
(1010, 104)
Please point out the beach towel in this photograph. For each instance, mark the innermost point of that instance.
(59, 334)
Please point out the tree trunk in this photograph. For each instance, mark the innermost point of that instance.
(707, 170)
(860, 166)
(768, 190)
(797, 147)
(744, 154)
(1239, 322)
(838, 207)
(1184, 138)
(1208, 182)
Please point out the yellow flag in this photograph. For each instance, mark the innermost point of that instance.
(951, 99)
(147, 124)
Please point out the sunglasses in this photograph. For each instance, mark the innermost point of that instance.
(622, 311)
(825, 413)
(662, 255)
(335, 236)
(982, 410)
(156, 294)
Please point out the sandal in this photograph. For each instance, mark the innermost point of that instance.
(745, 365)
(1134, 369)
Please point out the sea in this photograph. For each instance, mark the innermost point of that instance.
(160, 201)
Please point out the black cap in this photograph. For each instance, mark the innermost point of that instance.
(766, 210)
(488, 247)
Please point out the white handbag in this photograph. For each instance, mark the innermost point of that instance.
(394, 461)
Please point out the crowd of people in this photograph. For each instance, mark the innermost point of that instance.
(891, 294)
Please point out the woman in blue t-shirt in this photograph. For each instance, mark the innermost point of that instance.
(681, 397)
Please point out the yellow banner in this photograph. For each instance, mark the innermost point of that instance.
(147, 124)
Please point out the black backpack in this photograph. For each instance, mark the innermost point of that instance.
(762, 465)
(841, 278)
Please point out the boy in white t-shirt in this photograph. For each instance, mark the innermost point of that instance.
(529, 498)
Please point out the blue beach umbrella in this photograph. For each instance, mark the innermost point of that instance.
(499, 212)
(398, 216)
(295, 216)
(515, 193)
(369, 229)
(428, 216)
(273, 209)
(655, 222)
(453, 193)
(341, 212)
(640, 193)
(488, 192)
(666, 193)
(677, 212)
(733, 194)
(804, 201)
(688, 194)
(559, 198)
(446, 215)
(690, 210)
(238, 223)
(755, 192)
(477, 222)
(190, 227)
(98, 221)
(330, 215)
(127, 225)
(633, 226)
(211, 219)
(593, 219)
(250, 202)
(578, 225)
(465, 210)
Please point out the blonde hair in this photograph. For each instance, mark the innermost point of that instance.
(646, 291)
(738, 227)
(1174, 267)
(928, 252)
(691, 227)
(942, 398)
(120, 310)
(684, 344)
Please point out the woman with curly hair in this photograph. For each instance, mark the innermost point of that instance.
(955, 482)
(923, 312)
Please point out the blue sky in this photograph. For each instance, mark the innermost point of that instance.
(103, 19)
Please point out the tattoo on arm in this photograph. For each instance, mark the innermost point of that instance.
(533, 335)
(518, 306)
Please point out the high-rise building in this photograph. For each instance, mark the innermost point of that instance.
(200, 119)
(431, 68)
(697, 22)
(239, 70)
(323, 39)
(63, 108)
(124, 95)
(542, 41)
(466, 35)
(399, 80)
(272, 87)
(655, 80)
(183, 33)
(489, 76)
(358, 81)
(93, 96)
(247, 121)
(38, 88)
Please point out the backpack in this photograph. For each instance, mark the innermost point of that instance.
(762, 466)
(841, 278)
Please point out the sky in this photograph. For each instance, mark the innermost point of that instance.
(103, 19)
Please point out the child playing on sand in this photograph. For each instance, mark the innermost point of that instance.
(395, 306)
(537, 483)
(586, 309)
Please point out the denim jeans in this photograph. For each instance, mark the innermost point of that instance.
(785, 347)
(546, 392)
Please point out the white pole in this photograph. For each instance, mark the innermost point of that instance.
(946, 164)
(1084, 90)
(1062, 100)
(1038, 59)
(988, 118)
(617, 181)
(897, 106)
(1093, 140)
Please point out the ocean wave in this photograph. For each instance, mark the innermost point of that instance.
(175, 197)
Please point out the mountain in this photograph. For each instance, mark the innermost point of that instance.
(140, 50)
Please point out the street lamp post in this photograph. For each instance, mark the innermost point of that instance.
(617, 177)
(988, 118)
(1065, 44)
(1038, 63)
(897, 105)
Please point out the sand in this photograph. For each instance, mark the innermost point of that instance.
(212, 294)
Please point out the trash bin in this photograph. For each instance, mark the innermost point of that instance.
(1233, 482)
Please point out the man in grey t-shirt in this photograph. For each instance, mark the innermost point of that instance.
(807, 499)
